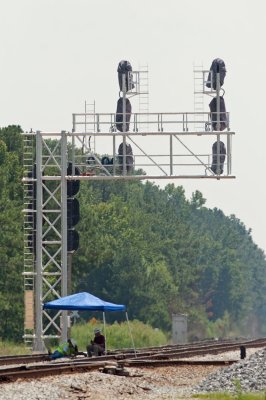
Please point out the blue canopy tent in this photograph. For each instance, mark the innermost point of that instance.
(86, 301)
(83, 301)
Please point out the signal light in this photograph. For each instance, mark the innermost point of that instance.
(73, 214)
(72, 240)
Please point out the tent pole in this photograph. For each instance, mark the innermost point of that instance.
(131, 335)
(104, 331)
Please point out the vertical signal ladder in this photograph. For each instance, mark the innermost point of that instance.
(29, 234)
(198, 97)
(144, 97)
(90, 126)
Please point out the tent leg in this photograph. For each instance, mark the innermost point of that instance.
(133, 344)
(104, 331)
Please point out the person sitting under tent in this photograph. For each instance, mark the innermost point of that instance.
(67, 349)
(97, 346)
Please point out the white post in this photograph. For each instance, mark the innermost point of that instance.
(218, 122)
(38, 341)
(104, 331)
(64, 282)
(132, 340)
(124, 124)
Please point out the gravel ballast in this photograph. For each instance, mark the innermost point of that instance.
(160, 383)
(248, 375)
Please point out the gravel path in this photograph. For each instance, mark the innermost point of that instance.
(173, 382)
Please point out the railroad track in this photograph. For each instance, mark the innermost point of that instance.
(153, 357)
(23, 359)
(191, 350)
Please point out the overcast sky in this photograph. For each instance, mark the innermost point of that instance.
(55, 54)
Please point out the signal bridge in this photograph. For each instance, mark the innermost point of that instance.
(162, 146)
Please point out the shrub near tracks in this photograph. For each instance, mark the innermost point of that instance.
(118, 335)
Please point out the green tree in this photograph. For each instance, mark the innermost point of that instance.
(11, 238)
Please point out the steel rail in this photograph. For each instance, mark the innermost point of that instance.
(12, 374)
(164, 363)
(9, 360)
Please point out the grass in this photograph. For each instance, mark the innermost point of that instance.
(12, 349)
(238, 395)
(228, 396)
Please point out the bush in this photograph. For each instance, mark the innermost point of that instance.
(118, 335)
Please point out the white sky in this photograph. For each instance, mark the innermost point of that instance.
(55, 54)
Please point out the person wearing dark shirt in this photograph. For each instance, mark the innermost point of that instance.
(97, 346)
